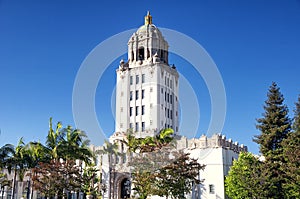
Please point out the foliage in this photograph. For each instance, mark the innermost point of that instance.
(57, 178)
(90, 181)
(149, 143)
(274, 126)
(244, 178)
(177, 178)
(158, 169)
(292, 157)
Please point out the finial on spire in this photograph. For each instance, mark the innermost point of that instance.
(148, 18)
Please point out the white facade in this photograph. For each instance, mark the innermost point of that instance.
(147, 87)
(147, 101)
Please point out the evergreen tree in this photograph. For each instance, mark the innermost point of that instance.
(292, 157)
(274, 126)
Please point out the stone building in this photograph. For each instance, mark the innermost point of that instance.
(146, 102)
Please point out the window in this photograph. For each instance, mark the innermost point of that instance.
(137, 79)
(130, 125)
(167, 81)
(171, 99)
(143, 94)
(143, 78)
(130, 111)
(143, 110)
(151, 89)
(136, 126)
(131, 80)
(168, 97)
(136, 95)
(151, 122)
(131, 93)
(143, 126)
(211, 189)
(165, 96)
(141, 53)
(171, 83)
(136, 110)
(162, 90)
(168, 113)
(171, 114)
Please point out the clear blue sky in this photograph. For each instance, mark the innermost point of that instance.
(43, 43)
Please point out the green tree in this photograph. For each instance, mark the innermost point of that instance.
(177, 178)
(158, 169)
(75, 145)
(6, 152)
(36, 153)
(292, 157)
(244, 178)
(18, 163)
(274, 127)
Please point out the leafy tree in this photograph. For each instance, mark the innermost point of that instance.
(158, 169)
(90, 181)
(244, 178)
(274, 126)
(292, 157)
(176, 179)
(57, 178)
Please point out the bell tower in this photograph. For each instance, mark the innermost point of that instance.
(147, 86)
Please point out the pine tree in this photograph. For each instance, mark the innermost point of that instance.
(274, 127)
(292, 157)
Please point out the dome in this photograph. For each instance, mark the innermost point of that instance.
(146, 42)
(149, 30)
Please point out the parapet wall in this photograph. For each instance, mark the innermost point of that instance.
(215, 141)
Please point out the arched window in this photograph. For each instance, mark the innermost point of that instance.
(141, 53)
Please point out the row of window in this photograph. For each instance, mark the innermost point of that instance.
(137, 108)
(136, 95)
(168, 82)
(137, 126)
(137, 79)
(169, 113)
(168, 98)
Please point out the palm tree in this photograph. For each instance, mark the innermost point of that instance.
(54, 140)
(37, 153)
(75, 145)
(6, 152)
(17, 163)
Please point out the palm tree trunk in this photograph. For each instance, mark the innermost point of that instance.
(13, 185)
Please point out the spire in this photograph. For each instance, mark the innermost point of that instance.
(148, 18)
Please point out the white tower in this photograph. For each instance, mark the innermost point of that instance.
(147, 86)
